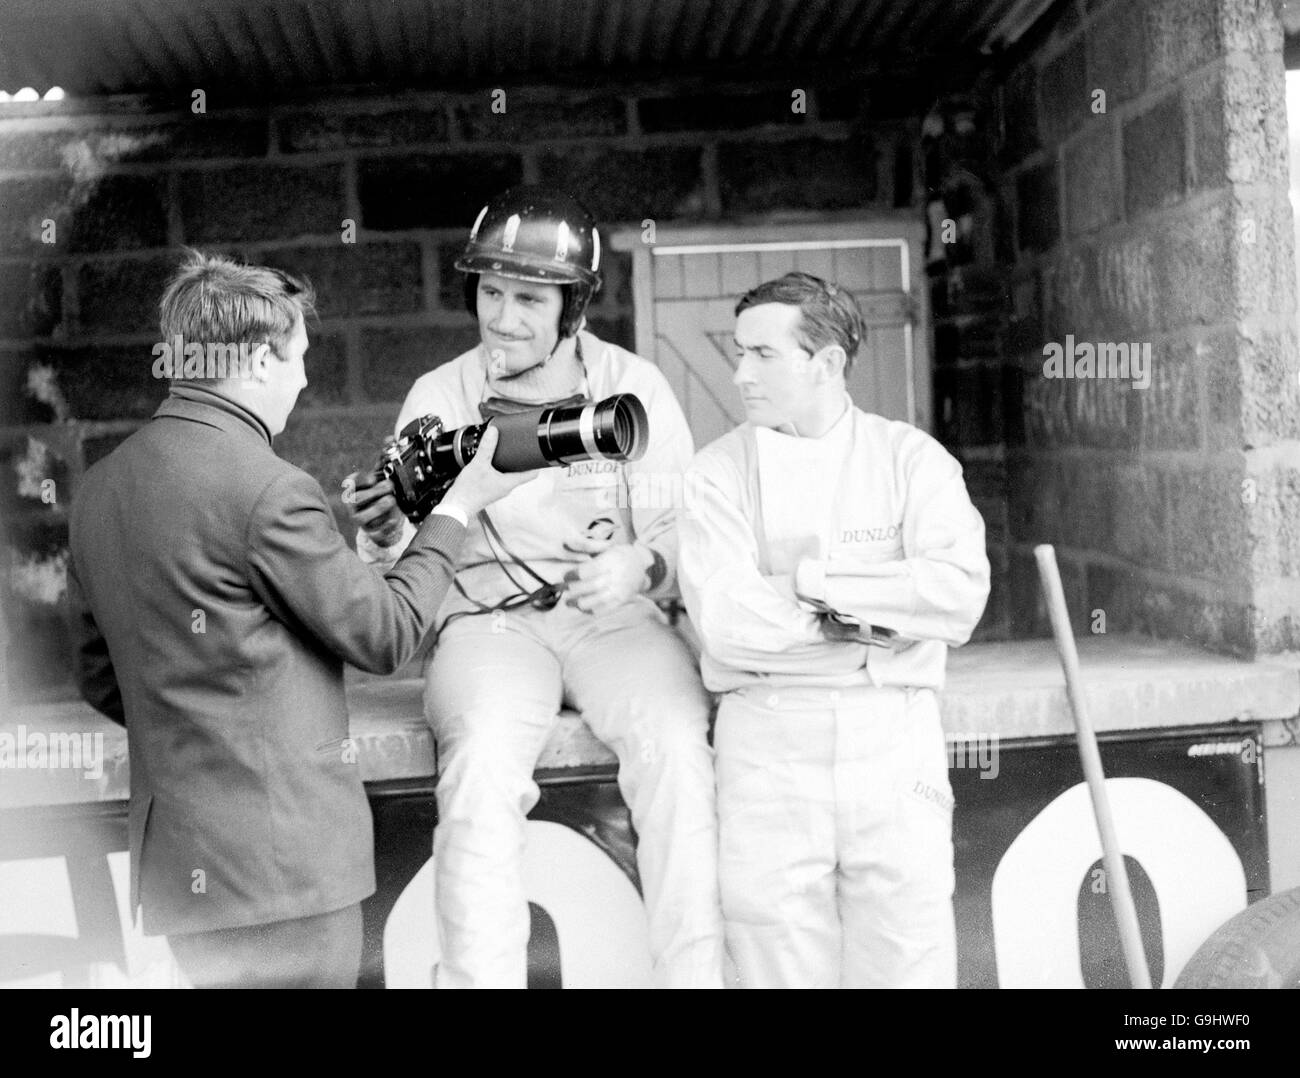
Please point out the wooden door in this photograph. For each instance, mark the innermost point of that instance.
(686, 292)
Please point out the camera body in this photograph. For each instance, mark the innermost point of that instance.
(424, 461)
(410, 464)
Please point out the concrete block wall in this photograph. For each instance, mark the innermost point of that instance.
(1142, 157)
(96, 197)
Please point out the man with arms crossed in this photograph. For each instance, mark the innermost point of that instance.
(513, 646)
(214, 603)
(829, 558)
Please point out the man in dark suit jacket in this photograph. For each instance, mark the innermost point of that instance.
(215, 603)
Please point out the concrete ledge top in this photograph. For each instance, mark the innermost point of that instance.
(1009, 690)
(1016, 689)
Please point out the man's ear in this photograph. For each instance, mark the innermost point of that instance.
(831, 361)
(261, 362)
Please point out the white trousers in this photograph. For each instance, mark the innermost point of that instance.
(492, 691)
(836, 859)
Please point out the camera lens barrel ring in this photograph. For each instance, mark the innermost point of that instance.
(458, 446)
(587, 432)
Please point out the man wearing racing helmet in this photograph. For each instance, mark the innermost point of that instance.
(553, 603)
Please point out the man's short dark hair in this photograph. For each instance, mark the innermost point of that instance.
(828, 314)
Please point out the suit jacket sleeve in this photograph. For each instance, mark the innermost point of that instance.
(302, 568)
(93, 666)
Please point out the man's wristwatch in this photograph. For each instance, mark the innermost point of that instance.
(656, 571)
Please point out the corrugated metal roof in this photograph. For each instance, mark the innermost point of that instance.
(264, 46)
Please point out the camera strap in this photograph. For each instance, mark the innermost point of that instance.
(491, 529)
(544, 597)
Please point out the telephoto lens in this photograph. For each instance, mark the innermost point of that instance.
(613, 429)
(425, 460)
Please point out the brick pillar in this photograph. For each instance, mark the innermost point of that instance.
(1143, 145)
(1237, 520)
(1255, 393)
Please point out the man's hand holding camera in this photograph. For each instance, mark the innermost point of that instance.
(370, 502)
(373, 505)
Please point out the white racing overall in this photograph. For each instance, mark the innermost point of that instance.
(833, 796)
(495, 683)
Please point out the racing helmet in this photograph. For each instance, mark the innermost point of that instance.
(536, 234)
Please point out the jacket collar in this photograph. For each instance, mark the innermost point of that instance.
(836, 430)
(204, 405)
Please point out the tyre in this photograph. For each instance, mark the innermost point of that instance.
(1258, 948)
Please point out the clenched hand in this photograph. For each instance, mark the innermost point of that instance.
(616, 574)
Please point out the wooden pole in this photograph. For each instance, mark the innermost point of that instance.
(1121, 896)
